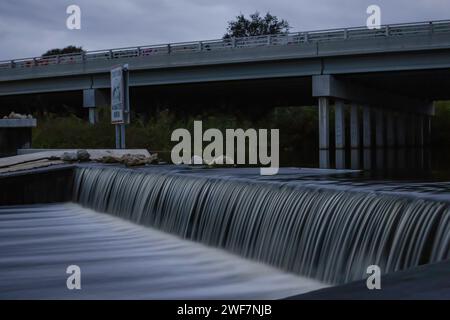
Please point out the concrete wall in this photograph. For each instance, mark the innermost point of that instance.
(36, 186)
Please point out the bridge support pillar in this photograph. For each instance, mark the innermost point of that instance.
(427, 141)
(427, 130)
(379, 137)
(410, 131)
(420, 130)
(93, 98)
(390, 135)
(339, 126)
(401, 130)
(324, 132)
(92, 115)
(367, 137)
(355, 141)
(420, 140)
(331, 87)
(390, 139)
(401, 140)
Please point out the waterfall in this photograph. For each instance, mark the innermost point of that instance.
(328, 234)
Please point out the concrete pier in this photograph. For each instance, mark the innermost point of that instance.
(420, 130)
(340, 134)
(390, 132)
(401, 140)
(15, 134)
(390, 139)
(355, 140)
(379, 135)
(324, 133)
(93, 98)
(367, 138)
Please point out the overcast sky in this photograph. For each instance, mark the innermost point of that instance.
(30, 27)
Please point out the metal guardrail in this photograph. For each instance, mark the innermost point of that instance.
(298, 38)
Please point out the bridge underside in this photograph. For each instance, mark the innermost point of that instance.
(375, 114)
(427, 85)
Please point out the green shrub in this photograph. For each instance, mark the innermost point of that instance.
(298, 131)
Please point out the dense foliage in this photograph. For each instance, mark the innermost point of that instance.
(256, 25)
(298, 133)
(66, 50)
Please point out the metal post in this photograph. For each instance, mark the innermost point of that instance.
(92, 115)
(122, 136)
(117, 136)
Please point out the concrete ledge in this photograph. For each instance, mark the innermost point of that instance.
(37, 186)
(428, 281)
(32, 155)
(95, 153)
(17, 123)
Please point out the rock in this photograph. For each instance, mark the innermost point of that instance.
(138, 160)
(69, 156)
(130, 160)
(108, 159)
(83, 155)
(14, 115)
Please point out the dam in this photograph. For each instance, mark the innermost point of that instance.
(183, 232)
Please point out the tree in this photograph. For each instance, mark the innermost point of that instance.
(66, 50)
(256, 26)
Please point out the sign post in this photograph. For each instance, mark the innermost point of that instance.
(120, 102)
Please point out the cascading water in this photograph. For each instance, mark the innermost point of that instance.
(330, 235)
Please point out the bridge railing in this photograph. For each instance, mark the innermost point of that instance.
(298, 38)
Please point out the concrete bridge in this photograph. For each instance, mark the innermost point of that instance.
(388, 78)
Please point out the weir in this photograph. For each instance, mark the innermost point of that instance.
(330, 234)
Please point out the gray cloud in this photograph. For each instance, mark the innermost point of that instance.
(29, 27)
